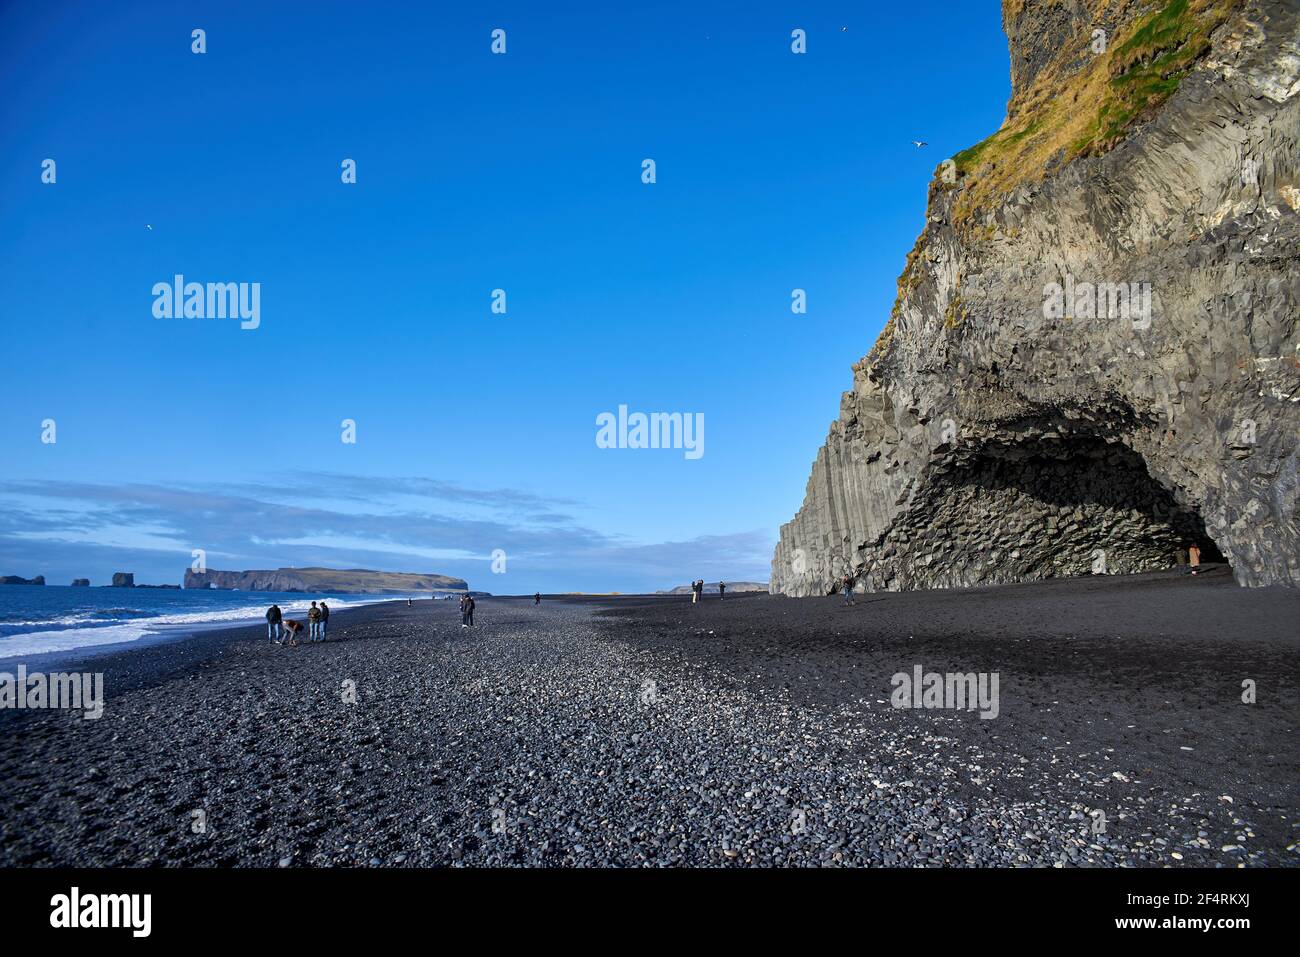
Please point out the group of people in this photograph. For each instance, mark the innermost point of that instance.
(281, 630)
(697, 591)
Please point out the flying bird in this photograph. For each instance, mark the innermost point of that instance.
(147, 226)
(918, 143)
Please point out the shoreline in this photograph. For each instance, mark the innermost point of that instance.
(166, 633)
(155, 658)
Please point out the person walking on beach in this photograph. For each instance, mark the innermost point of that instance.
(322, 620)
(1194, 557)
(722, 590)
(313, 616)
(847, 586)
(537, 598)
(273, 618)
(466, 611)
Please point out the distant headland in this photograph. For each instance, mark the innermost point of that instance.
(361, 581)
(16, 580)
(711, 588)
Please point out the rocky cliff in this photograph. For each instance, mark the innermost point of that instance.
(335, 580)
(1093, 357)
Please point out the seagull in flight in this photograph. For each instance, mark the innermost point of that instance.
(919, 143)
(147, 226)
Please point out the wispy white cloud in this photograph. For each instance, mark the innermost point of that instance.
(400, 524)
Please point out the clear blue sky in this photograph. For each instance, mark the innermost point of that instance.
(475, 171)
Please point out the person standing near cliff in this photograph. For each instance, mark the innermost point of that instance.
(322, 620)
(847, 585)
(273, 618)
(1194, 557)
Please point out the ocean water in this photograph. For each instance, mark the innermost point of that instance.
(38, 619)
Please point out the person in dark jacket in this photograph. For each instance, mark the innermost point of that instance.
(313, 619)
(722, 590)
(322, 620)
(537, 598)
(847, 586)
(273, 618)
(466, 611)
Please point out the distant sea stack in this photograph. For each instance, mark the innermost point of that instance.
(123, 579)
(15, 580)
(1093, 357)
(81, 583)
(358, 581)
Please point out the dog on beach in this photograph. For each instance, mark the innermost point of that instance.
(292, 630)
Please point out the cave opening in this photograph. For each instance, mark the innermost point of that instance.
(1021, 511)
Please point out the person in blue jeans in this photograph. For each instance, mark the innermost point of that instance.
(273, 619)
(322, 620)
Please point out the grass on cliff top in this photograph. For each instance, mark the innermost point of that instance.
(1072, 110)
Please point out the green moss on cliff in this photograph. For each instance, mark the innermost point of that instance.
(1071, 110)
(956, 313)
(1147, 68)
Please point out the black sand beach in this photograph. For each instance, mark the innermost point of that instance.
(647, 731)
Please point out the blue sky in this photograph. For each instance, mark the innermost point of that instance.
(474, 431)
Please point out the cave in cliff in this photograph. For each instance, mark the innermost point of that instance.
(1009, 511)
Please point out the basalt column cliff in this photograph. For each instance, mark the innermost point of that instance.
(1093, 355)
